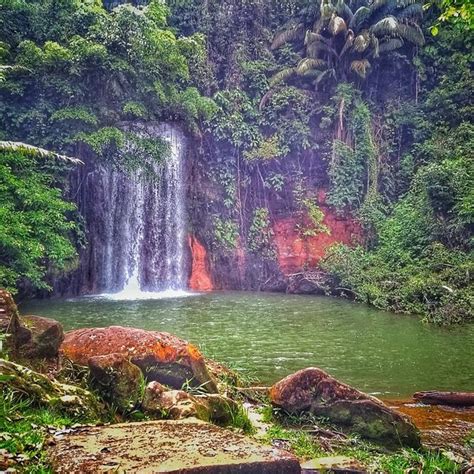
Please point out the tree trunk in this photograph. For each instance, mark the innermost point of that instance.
(460, 399)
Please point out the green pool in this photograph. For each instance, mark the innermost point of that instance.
(271, 335)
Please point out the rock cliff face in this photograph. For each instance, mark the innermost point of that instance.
(158, 235)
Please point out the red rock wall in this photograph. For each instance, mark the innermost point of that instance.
(200, 279)
(295, 252)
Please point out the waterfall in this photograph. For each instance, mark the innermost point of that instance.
(136, 225)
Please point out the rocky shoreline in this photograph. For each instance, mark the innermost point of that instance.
(148, 401)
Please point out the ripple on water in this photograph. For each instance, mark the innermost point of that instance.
(272, 335)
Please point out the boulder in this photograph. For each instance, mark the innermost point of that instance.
(160, 402)
(313, 390)
(46, 336)
(161, 356)
(119, 382)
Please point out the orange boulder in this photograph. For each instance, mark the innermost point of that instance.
(314, 391)
(161, 356)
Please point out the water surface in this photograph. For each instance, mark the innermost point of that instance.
(272, 335)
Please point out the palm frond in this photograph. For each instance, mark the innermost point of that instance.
(337, 25)
(292, 33)
(405, 3)
(282, 76)
(390, 45)
(377, 5)
(359, 17)
(344, 10)
(374, 43)
(323, 75)
(414, 10)
(386, 26)
(308, 64)
(411, 33)
(348, 44)
(360, 67)
(311, 37)
(361, 42)
(34, 150)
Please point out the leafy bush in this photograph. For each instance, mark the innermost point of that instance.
(36, 223)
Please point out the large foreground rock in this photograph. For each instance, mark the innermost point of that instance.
(185, 446)
(161, 356)
(313, 390)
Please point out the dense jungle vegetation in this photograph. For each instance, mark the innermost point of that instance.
(370, 100)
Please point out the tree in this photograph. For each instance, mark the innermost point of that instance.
(342, 39)
(36, 224)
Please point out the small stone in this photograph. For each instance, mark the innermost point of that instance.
(46, 337)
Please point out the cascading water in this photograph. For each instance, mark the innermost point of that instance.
(136, 226)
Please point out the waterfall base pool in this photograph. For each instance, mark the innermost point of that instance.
(272, 335)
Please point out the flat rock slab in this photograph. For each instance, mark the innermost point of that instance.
(184, 446)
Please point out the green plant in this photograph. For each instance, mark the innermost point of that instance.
(299, 442)
(24, 429)
(275, 181)
(261, 233)
(36, 224)
(226, 233)
(240, 419)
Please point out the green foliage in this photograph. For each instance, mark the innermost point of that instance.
(353, 168)
(226, 233)
(36, 224)
(310, 216)
(430, 462)
(300, 442)
(316, 217)
(78, 70)
(275, 181)
(134, 109)
(239, 418)
(268, 149)
(261, 233)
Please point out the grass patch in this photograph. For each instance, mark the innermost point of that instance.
(240, 419)
(303, 445)
(409, 460)
(24, 428)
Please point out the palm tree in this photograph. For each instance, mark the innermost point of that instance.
(341, 39)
